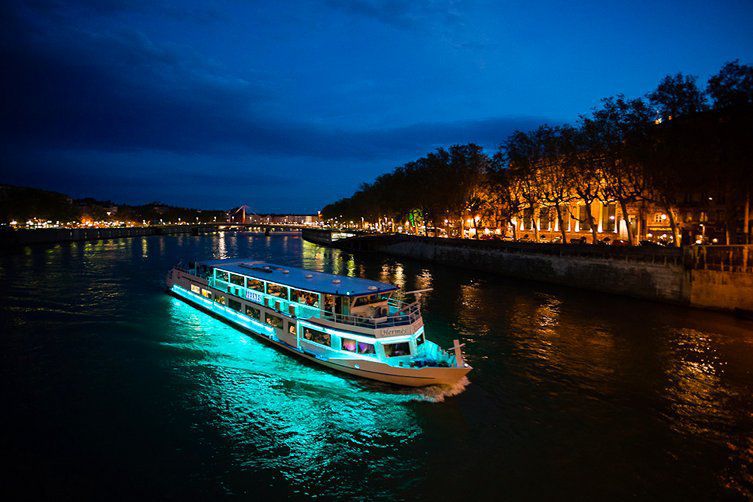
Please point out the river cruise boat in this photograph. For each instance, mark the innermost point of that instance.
(347, 324)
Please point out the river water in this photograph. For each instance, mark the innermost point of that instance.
(114, 389)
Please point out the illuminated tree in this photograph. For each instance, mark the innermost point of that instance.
(616, 134)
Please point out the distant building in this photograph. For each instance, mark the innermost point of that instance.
(244, 214)
(700, 219)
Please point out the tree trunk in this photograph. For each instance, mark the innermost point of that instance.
(746, 217)
(535, 222)
(514, 229)
(561, 223)
(673, 226)
(626, 219)
(592, 224)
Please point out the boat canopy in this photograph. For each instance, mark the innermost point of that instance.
(300, 278)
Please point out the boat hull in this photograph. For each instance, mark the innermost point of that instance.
(371, 370)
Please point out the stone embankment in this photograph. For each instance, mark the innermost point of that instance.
(719, 277)
(54, 235)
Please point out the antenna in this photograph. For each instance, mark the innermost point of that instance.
(418, 291)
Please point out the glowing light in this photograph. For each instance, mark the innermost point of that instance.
(224, 311)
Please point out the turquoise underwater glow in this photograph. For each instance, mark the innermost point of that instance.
(308, 415)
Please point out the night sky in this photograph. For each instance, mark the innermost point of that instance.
(289, 107)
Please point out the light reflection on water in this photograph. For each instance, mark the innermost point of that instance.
(572, 392)
(305, 418)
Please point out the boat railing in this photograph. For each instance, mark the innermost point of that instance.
(400, 314)
(405, 315)
(191, 271)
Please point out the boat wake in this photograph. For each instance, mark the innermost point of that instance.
(438, 393)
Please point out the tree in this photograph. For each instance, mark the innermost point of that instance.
(677, 95)
(508, 189)
(521, 151)
(616, 134)
(732, 86)
(731, 91)
(467, 167)
(584, 163)
(557, 145)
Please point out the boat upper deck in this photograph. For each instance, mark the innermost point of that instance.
(300, 278)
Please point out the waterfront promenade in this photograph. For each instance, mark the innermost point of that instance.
(25, 237)
(717, 277)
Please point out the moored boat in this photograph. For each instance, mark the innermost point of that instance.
(348, 324)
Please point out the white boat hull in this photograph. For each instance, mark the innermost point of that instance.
(372, 370)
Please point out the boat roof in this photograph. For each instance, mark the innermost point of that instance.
(301, 278)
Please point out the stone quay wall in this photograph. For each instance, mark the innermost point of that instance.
(663, 274)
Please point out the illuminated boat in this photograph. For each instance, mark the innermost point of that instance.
(348, 324)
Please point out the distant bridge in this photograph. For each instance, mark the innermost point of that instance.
(258, 226)
(244, 216)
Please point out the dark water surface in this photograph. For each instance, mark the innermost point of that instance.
(114, 389)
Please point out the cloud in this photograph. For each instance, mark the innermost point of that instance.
(403, 13)
(74, 89)
(114, 113)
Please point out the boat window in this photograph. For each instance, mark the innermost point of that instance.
(195, 288)
(348, 344)
(277, 290)
(206, 293)
(420, 339)
(304, 297)
(367, 300)
(329, 303)
(291, 328)
(317, 336)
(396, 349)
(366, 348)
(220, 299)
(233, 304)
(252, 312)
(256, 285)
(221, 275)
(236, 279)
(273, 320)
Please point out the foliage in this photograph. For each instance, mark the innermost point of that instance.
(662, 150)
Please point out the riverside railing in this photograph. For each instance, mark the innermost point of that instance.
(733, 258)
(652, 254)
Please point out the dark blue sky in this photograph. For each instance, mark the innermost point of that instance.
(286, 106)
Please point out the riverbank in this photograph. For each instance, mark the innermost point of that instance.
(716, 277)
(14, 238)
